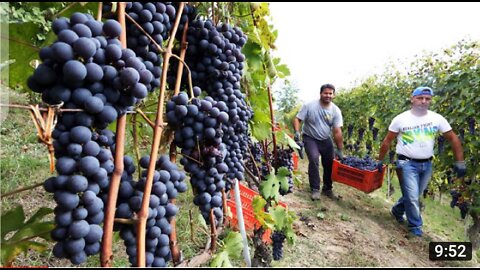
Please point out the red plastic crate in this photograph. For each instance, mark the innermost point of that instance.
(246, 196)
(366, 181)
(295, 161)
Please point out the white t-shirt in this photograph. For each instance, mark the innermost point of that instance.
(416, 134)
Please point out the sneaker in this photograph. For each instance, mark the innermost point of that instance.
(330, 194)
(399, 219)
(416, 232)
(315, 195)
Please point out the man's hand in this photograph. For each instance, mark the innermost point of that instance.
(297, 137)
(380, 166)
(460, 168)
(339, 154)
(299, 142)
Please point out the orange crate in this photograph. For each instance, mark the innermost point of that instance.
(295, 161)
(246, 196)
(366, 181)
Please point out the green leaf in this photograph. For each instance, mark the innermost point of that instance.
(10, 252)
(282, 71)
(40, 214)
(264, 218)
(253, 54)
(289, 141)
(30, 230)
(269, 188)
(12, 220)
(221, 260)
(201, 221)
(233, 244)
(261, 130)
(282, 174)
(279, 215)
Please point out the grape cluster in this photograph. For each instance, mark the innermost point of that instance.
(285, 159)
(471, 125)
(461, 132)
(366, 163)
(391, 156)
(375, 133)
(85, 68)
(361, 132)
(371, 122)
(212, 130)
(458, 200)
(168, 181)
(216, 61)
(277, 238)
(441, 143)
(156, 19)
(198, 133)
(350, 130)
(257, 152)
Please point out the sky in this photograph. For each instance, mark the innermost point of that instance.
(343, 43)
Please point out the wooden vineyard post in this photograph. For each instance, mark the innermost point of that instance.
(176, 253)
(157, 136)
(106, 255)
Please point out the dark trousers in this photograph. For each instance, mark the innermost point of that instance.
(314, 149)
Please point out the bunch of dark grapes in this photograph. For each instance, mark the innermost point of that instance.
(215, 60)
(368, 145)
(257, 152)
(350, 130)
(391, 156)
(361, 132)
(460, 202)
(461, 132)
(168, 181)
(375, 133)
(441, 143)
(198, 133)
(471, 125)
(277, 238)
(366, 163)
(285, 159)
(371, 122)
(85, 68)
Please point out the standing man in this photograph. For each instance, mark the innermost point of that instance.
(415, 131)
(319, 118)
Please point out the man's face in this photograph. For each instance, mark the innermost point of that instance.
(421, 102)
(327, 95)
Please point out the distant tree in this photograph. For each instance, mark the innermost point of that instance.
(287, 97)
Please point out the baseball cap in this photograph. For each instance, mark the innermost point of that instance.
(422, 90)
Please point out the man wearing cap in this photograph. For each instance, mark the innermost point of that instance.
(320, 118)
(415, 131)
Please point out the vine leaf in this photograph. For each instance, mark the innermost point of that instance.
(232, 244)
(25, 231)
(264, 218)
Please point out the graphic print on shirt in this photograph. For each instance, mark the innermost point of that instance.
(327, 117)
(420, 133)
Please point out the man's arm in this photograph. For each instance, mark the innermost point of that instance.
(456, 144)
(338, 137)
(296, 124)
(386, 144)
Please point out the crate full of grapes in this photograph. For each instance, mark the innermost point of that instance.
(359, 173)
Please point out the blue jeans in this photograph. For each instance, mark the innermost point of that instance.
(414, 180)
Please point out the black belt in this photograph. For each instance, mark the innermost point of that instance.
(402, 157)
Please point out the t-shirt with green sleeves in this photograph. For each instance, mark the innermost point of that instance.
(318, 121)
